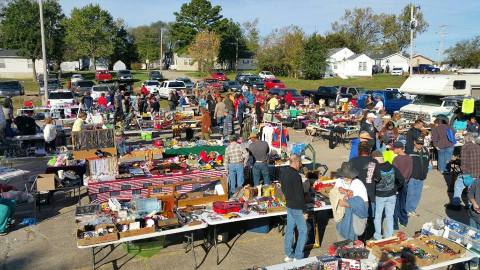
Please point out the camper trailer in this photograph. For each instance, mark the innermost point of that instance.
(430, 89)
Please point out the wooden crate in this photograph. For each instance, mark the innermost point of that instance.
(276, 209)
(109, 237)
(141, 231)
(202, 200)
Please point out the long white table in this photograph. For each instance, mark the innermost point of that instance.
(467, 257)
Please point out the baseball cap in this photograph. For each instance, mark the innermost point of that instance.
(365, 135)
(398, 144)
(371, 115)
(420, 140)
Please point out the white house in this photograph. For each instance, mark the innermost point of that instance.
(344, 63)
(14, 66)
(186, 63)
(389, 61)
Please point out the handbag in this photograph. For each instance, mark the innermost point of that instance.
(226, 207)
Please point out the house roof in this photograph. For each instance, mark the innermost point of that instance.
(334, 51)
(419, 55)
(385, 55)
(6, 53)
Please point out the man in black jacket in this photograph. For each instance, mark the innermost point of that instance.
(292, 187)
(413, 133)
(421, 163)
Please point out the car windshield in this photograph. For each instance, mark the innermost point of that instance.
(85, 84)
(232, 83)
(328, 90)
(176, 84)
(185, 80)
(293, 91)
(60, 95)
(101, 88)
(155, 73)
(267, 73)
(76, 76)
(427, 100)
(124, 72)
(211, 80)
(219, 74)
(9, 85)
(275, 81)
(153, 83)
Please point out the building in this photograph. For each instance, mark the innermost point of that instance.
(18, 67)
(344, 63)
(389, 61)
(419, 59)
(186, 63)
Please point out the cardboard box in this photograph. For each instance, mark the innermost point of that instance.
(45, 182)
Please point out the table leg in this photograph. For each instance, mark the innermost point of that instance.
(215, 240)
(192, 240)
(93, 258)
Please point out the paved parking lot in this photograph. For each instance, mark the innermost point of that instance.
(52, 243)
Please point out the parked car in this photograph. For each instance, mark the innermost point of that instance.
(213, 83)
(219, 76)
(266, 75)
(255, 82)
(231, 86)
(103, 76)
(426, 68)
(60, 98)
(76, 77)
(392, 100)
(281, 92)
(273, 83)
(156, 75)
(98, 89)
(53, 84)
(242, 77)
(11, 89)
(350, 91)
(396, 71)
(327, 93)
(187, 81)
(124, 75)
(167, 87)
(152, 86)
(81, 87)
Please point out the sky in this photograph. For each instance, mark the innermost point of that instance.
(461, 18)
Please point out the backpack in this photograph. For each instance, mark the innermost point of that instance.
(451, 136)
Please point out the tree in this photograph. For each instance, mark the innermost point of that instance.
(194, 17)
(314, 58)
(403, 20)
(147, 42)
(292, 42)
(360, 26)
(91, 32)
(204, 50)
(20, 29)
(465, 53)
(124, 47)
(231, 40)
(251, 34)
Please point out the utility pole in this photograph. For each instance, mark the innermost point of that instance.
(44, 51)
(441, 33)
(161, 48)
(412, 28)
(236, 58)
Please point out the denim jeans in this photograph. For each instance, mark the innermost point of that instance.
(458, 190)
(444, 156)
(235, 176)
(400, 215)
(220, 122)
(414, 192)
(295, 219)
(474, 225)
(381, 204)
(260, 169)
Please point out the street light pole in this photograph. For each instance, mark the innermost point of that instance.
(236, 57)
(44, 51)
(411, 38)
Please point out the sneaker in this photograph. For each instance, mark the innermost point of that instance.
(288, 259)
(413, 214)
(3, 234)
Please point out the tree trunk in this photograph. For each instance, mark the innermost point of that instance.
(34, 68)
(94, 63)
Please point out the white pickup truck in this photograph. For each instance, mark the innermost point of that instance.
(167, 87)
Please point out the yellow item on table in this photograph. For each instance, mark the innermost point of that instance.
(389, 156)
(468, 105)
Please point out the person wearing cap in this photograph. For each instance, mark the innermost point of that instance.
(236, 157)
(355, 201)
(292, 186)
(259, 150)
(388, 181)
(413, 134)
(470, 156)
(404, 164)
(421, 160)
(364, 164)
(367, 125)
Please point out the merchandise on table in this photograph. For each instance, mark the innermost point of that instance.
(93, 139)
(455, 231)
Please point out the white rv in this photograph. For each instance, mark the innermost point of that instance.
(430, 88)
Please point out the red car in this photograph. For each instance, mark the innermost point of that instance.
(219, 76)
(213, 83)
(273, 83)
(103, 76)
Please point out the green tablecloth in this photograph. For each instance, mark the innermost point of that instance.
(193, 150)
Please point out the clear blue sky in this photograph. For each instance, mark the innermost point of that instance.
(461, 17)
